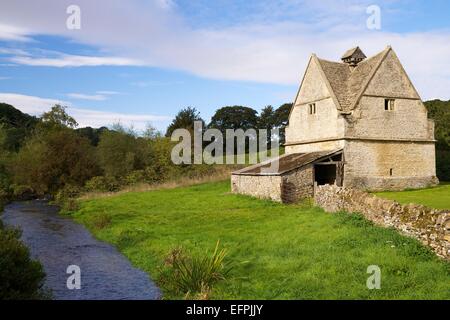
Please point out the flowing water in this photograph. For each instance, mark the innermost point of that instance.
(58, 242)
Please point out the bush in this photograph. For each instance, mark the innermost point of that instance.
(68, 192)
(20, 277)
(101, 220)
(194, 276)
(135, 177)
(102, 184)
(23, 192)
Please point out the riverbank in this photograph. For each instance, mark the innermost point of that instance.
(58, 242)
(280, 251)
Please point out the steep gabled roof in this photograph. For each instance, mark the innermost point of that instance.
(349, 82)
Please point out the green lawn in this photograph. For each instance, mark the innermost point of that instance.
(436, 197)
(281, 251)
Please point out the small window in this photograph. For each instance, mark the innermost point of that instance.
(389, 104)
(391, 171)
(312, 108)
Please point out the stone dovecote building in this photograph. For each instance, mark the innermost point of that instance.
(358, 123)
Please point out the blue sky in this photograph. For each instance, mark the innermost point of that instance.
(142, 61)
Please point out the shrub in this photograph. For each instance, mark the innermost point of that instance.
(23, 192)
(194, 276)
(68, 192)
(101, 220)
(135, 177)
(20, 277)
(102, 184)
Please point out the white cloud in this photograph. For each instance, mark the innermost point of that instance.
(145, 84)
(30, 104)
(92, 97)
(108, 93)
(85, 117)
(66, 60)
(262, 49)
(4, 78)
(12, 33)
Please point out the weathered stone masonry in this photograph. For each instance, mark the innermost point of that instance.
(369, 111)
(430, 226)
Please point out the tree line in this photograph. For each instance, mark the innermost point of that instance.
(50, 155)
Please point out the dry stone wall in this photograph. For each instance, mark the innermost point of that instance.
(430, 226)
(264, 187)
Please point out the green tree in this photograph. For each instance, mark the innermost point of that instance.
(120, 152)
(58, 117)
(282, 119)
(52, 159)
(15, 126)
(268, 122)
(439, 111)
(184, 120)
(234, 117)
(93, 134)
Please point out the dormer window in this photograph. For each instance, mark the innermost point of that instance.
(312, 108)
(389, 104)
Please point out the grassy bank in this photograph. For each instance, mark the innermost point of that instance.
(437, 197)
(280, 251)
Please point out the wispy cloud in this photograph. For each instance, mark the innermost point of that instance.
(98, 96)
(66, 60)
(145, 84)
(5, 78)
(85, 117)
(13, 33)
(92, 97)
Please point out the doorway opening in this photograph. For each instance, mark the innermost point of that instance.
(325, 174)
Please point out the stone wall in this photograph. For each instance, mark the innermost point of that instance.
(368, 165)
(287, 188)
(430, 226)
(297, 185)
(263, 187)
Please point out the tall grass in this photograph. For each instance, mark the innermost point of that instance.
(195, 276)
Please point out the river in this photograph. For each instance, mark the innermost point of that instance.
(58, 242)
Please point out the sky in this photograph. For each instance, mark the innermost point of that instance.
(139, 62)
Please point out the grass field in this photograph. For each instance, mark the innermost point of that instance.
(437, 197)
(280, 251)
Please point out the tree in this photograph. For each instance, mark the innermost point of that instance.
(15, 126)
(184, 120)
(234, 117)
(120, 152)
(93, 134)
(52, 159)
(267, 121)
(439, 111)
(282, 119)
(58, 117)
